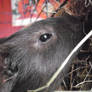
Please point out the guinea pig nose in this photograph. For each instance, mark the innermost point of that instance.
(45, 37)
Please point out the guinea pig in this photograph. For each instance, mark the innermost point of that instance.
(30, 57)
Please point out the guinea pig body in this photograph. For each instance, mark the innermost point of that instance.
(31, 56)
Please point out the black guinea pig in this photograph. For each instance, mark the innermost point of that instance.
(30, 57)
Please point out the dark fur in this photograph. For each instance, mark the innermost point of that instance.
(28, 63)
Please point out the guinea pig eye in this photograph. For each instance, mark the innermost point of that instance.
(45, 37)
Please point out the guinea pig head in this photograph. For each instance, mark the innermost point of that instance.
(37, 51)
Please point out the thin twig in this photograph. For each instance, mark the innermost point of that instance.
(88, 81)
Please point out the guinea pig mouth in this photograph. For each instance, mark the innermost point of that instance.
(6, 79)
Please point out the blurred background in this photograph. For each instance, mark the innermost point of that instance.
(14, 14)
